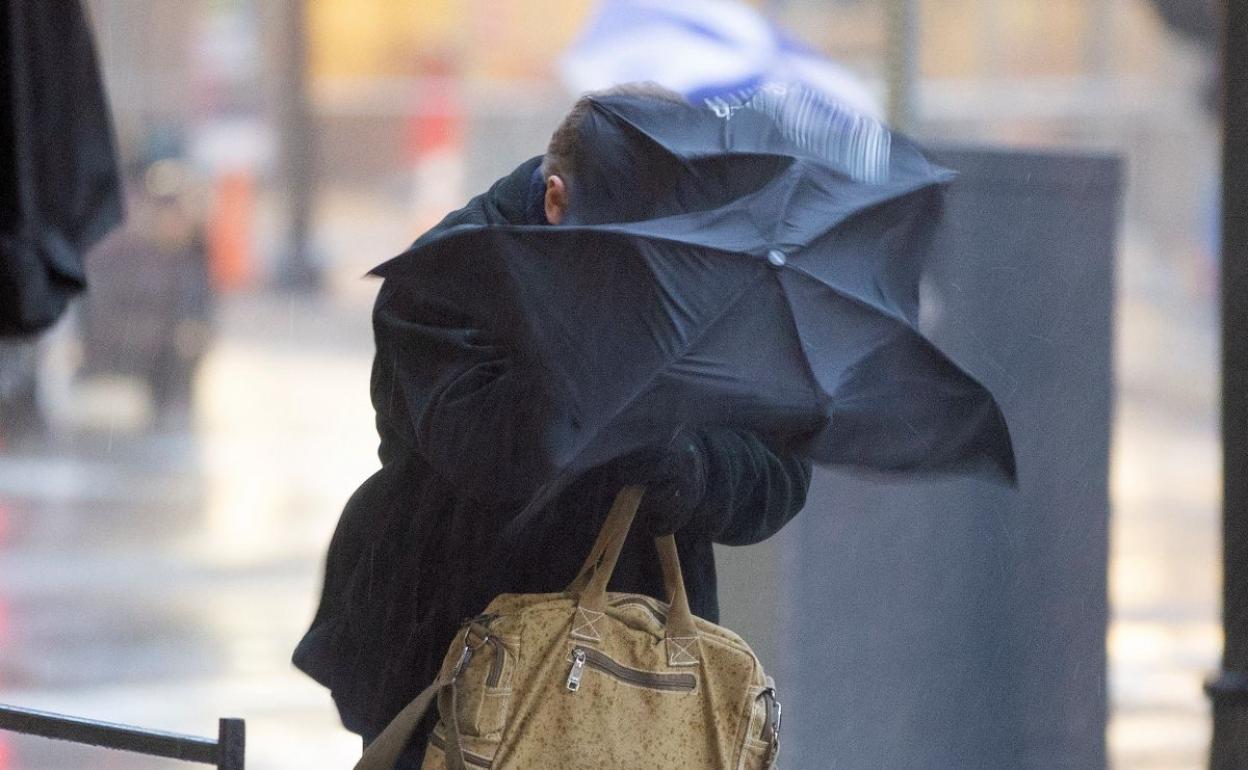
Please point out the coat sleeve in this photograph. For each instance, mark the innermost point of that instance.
(752, 489)
(451, 387)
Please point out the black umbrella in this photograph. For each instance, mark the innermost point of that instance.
(754, 265)
(60, 191)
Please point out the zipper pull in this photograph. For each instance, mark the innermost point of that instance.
(578, 667)
(464, 657)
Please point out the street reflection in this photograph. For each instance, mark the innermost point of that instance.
(161, 578)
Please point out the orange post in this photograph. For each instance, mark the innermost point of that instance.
(230, 258)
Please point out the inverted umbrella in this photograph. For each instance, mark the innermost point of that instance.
(743, 266)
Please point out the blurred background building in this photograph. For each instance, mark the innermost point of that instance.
(159, 571)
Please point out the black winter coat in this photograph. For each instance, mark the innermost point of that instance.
(411, 557)
(59, 187)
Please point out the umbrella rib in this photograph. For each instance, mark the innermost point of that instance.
(641, 388)
(850, 297)
(625, 230)
(817, 387)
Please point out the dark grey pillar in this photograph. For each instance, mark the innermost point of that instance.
(951, 623)
(1230, 690)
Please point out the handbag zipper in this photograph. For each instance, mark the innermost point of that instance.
(496, 665)
(582, 657)
(578, 667)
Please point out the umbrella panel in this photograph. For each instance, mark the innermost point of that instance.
(743, 369)
(656, 333)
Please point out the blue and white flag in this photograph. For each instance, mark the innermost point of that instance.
(703, 49)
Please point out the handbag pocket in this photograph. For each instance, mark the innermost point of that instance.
(584, 659)
(762, 733)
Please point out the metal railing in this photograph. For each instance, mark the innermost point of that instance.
(226, 752)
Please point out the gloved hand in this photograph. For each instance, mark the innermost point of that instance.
(674, 475)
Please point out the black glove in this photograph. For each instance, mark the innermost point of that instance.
(674, 475)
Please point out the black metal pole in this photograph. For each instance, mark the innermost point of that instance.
(231, 744)
(155, 743)
(1230, 690)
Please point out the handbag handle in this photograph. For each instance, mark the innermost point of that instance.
(589, 586)
(614, 528)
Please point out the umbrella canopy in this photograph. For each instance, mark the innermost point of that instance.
(744, 267)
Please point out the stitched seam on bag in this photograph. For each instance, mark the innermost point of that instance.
(586, 624)
(681, 651)
(732, 646)
(745, 716)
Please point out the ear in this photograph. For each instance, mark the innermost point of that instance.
(556, 199)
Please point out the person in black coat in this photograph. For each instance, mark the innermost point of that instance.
(416, 550)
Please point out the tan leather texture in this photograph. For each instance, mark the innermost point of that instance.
(587, 679)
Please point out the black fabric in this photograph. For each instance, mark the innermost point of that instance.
(410, 558)
(60, 191)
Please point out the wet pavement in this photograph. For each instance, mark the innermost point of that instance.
(162, 578)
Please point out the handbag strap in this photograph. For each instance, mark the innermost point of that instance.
(611, 537)
(385, 750)
(590, 585)
(679, 617)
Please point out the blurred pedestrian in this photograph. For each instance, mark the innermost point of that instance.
(149, 312)
(406, 564)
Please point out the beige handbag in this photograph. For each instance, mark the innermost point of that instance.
(590, 680)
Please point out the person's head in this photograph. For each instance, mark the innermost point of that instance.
(565, 155)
